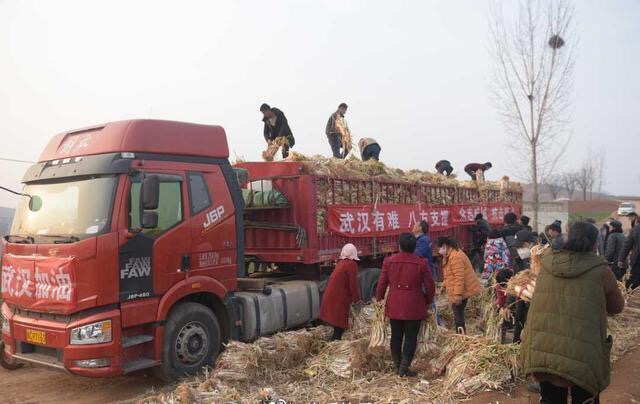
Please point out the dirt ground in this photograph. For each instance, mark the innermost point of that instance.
(31, 385)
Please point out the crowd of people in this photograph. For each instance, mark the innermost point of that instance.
(565, 347)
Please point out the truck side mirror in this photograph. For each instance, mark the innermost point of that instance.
(150, 192)
(149, 220)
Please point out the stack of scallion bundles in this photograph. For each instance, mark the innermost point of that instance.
(522, 285)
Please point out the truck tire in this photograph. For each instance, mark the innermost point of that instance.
(6, 362)
(367, 282)
(191, 341)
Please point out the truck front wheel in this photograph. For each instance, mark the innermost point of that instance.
(191, 341)
(5, 362)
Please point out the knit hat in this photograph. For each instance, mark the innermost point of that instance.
(556, 226)
(616, 224)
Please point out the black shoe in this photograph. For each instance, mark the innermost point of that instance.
(404, 370)
(396, 363)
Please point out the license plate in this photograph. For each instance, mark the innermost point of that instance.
(37, 337)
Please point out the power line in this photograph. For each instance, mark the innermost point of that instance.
(16, 161)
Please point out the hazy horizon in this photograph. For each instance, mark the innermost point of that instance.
(415, 76)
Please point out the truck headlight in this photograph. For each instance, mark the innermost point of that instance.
(5, 324)
(96, 333)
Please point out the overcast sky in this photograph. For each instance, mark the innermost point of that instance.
(414, 73)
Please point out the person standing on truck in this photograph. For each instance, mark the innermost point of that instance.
(369, 149)
(342, 290)
(411, 291)
(477, 170)
(277, 132)
(566, 346)
(460, 279)
(334, 135)
(444, 167)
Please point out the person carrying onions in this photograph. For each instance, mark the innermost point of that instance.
(411, 291)
(342, 290)
(460, 281)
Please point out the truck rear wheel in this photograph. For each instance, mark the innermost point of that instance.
(191, 341)
(7, 363)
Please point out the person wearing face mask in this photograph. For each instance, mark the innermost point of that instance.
(460, 279)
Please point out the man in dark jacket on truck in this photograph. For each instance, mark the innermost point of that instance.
(276, 128)
(632, 245)
(333, 132)
(444, 167)
(473, 169)
(369, 149)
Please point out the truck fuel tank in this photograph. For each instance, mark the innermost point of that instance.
(289, 305)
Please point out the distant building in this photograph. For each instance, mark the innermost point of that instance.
(548, 212)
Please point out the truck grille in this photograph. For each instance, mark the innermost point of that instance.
(60, 318)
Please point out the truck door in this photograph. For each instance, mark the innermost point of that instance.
(165, 248)
(213, 228)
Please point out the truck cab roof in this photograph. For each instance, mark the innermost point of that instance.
(142, 136)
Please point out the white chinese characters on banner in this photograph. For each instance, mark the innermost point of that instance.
(363, 222)
(346, 222)
(378, 220)
(394, 221)
(37, 283)
(366, 220)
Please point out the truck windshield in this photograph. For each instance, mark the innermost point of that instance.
(65, 211)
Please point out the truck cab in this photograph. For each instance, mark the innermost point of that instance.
(125, 252)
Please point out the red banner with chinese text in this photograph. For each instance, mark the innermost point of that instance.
(390, 219)
(34, 282)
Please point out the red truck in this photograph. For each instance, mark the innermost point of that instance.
(138, 245)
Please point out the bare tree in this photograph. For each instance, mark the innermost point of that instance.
(586, 177)
(532, 80)
(569, 182)
(555, 185)
(600, 168)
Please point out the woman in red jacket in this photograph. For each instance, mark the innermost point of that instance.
(411, 290)
(342, 290)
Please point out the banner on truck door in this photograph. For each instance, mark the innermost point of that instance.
(390, 219)
(34, 282)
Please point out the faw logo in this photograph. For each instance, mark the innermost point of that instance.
(213, 216)
(137, 267)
